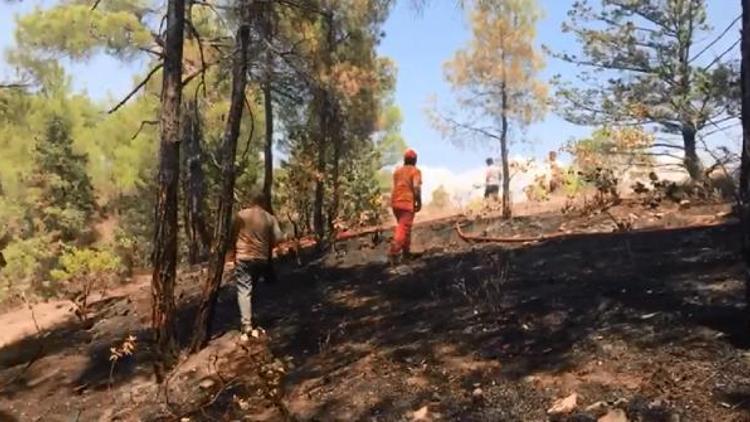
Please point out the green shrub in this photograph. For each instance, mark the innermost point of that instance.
(82, 270)
(27, 261)
(573, 183)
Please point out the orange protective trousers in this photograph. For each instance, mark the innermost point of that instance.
(402, 234)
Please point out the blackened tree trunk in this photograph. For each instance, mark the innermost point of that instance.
(165, 237)
(504, 153)
(268, 106)
(326, 136)
(333, 211)
(745, 165)
(318, 218)
(194, 186)
(268, 147)
(204, 318)
(332, 120)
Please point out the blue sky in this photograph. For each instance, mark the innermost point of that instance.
(420, 44)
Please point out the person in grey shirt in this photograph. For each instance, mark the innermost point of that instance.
(255, 232)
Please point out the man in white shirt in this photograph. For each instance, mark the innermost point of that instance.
(492, 178)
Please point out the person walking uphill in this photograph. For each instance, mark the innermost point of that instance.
(255, 232)
(406, 201)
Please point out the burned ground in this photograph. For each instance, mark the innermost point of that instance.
(650, 322)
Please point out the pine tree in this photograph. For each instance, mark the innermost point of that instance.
(64, 195)
(496, 79)
(641, 64)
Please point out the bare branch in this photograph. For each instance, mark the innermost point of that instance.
(712, 43)
(246, 152)
(153, 52)
(661, 145)
(143, 124)
(198, 39)
(136, 89)
(95, 5)
(14, 85)
(198, 72)
(721, 56)
(482, 131)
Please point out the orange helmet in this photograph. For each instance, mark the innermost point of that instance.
(410, 154)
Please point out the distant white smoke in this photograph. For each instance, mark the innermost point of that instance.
(465, 186)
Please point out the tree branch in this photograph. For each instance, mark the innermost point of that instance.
(143, 124)
(152, 52)
(470, 128)
(721, 56)
(136, 89)
(252, 132)
(198, 72)
(197, 36)
(712, 43)
(14, 85)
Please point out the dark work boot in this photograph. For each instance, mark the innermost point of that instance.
(394, 260)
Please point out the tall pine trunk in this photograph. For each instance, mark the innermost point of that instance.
(691, 161)
(504, 152)
(194, 186)
(204, 318)
(317, 211)
(165, 237)
(332, 130)
(325, 126)
(268, 107)
(745, 165)
(318, 220)
(268, 147)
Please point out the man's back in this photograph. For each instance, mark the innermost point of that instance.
(405, 180)
(257, 233)
(493, 175)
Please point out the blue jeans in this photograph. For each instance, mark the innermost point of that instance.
(246, 275)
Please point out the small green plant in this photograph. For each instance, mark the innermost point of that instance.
(82, 270)
(573, 183)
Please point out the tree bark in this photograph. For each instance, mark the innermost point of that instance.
(318, 221)
(268, 107)
(692, 162)
(268, 147)
(326, 108)
(745, 164)
(165, 237)
(504, 152)
(332, 129)
(194, 187)
(204, 317)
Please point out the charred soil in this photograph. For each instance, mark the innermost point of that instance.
(645, 322)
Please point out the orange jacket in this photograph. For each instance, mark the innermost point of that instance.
(406, 180)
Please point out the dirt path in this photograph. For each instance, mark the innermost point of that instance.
(25, 321)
